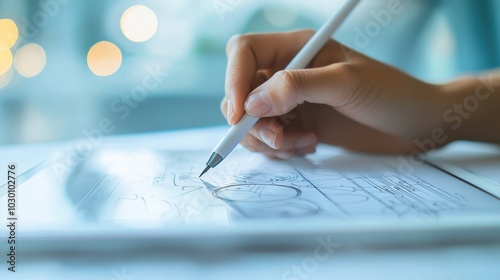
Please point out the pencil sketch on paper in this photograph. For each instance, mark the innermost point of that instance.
(164, 186)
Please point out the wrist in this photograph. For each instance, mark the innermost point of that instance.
(469, 108)
(432, 130)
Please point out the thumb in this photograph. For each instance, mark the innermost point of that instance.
(287, 89)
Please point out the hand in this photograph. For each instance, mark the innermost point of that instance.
(344, 98)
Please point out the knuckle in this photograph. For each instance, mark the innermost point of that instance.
(239, 41)
(287, 79)
(232, 41)
(346, 69)
(290, 84)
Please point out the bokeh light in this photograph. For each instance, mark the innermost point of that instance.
(104, 58)
(139, 23)
(30, 60)
(6, 78)
(8, 34)
(5, 61)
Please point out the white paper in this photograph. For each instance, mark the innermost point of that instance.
(163, 188)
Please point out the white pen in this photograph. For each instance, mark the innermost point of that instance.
(300, 61)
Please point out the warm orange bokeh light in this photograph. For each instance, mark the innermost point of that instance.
(5, 61)
(104, 58)
(8, 34)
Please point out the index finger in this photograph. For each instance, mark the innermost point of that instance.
(250, 53)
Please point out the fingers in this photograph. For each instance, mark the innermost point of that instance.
(249, 53)
(269, 137)
(269, 131)
(254, 144)
(285, 90)
(227, 106)
(253, 53)
(253, 64)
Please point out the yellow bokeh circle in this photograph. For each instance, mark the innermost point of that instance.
(5, 61)
(104, 58)
(8, 34)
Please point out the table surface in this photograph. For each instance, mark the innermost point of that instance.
(477, 260)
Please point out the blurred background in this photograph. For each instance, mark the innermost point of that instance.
(68, 67)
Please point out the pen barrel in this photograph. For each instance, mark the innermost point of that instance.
(235, 135)
(301, 60)
(319, 39)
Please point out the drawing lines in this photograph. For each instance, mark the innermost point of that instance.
(265, 189)
(322, 193)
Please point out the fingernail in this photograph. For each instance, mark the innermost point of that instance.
(256, 105)
(269, 137)
(305, 141)
(283, 155)
(230, 112)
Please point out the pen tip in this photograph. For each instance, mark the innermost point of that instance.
(204, 171)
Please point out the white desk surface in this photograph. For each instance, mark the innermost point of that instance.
(439, 261)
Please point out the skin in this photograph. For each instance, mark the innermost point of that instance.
(346, 99)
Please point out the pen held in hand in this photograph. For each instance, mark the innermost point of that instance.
(300, 61)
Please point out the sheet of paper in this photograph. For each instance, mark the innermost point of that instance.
(163, 187)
